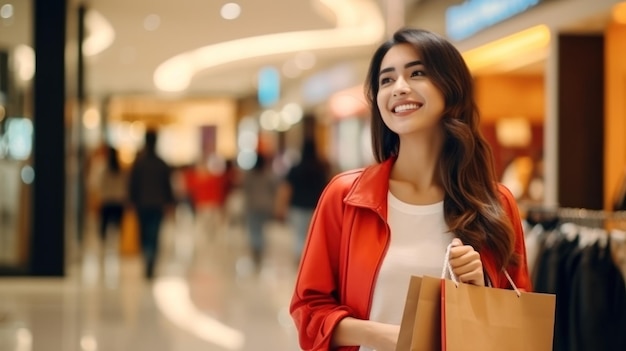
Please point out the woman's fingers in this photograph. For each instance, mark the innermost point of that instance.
(462, 255)
(474, 278)
(466, 264)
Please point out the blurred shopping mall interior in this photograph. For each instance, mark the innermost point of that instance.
(225, 83)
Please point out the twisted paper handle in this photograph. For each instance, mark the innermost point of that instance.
(447, 269)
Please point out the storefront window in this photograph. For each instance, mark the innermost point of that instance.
(17, 62)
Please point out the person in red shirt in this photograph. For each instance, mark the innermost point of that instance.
(433, 184)
(207, 186)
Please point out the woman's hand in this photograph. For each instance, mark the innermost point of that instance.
(466, 264)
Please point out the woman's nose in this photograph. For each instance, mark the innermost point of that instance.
(400, 87)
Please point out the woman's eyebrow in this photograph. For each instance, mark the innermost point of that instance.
(410, 64)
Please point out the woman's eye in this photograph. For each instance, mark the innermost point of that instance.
(385, 80)
(418, 73)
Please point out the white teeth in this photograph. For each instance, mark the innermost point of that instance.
(405, 107)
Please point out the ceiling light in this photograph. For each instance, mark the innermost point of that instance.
(101, 34)
(6, 11)
(152, 22)
(511, 48)
(230, 11)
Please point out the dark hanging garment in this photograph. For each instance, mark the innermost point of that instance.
(553, 278)
(566, 288)
(598, 303)
(563, 264)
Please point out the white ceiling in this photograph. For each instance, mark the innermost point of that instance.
(128, 65)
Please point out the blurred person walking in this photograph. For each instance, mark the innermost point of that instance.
(259, 186)
(152, 196)
(113, 189)
(207, 187)
(299, 192)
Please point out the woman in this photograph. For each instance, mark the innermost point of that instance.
(113, 189)
(434, 183)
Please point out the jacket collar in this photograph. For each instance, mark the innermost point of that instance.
(371, 188)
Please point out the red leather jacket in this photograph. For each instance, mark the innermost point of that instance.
(347, 241)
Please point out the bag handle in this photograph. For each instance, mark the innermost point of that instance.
(447, 269)
(508, 277)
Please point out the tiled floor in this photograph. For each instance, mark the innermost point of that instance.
(206, 296)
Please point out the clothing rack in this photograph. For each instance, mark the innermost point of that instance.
(583, 213)
(580, 216)
(591, 224)
(586, 274)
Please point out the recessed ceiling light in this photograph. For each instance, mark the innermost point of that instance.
(152, 22)
(230, 11)
(6, 11)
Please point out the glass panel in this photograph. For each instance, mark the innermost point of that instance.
(17, 67)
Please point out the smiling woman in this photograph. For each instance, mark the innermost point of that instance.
(433, 185)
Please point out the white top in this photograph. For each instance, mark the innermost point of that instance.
(113, 187)
(419, 238)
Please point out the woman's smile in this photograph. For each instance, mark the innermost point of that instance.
(404, 108)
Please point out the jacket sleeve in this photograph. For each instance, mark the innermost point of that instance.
(315, 305)
(519, 273)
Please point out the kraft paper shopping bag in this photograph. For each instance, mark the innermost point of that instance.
(408, 316)
(490, 319)
(427, 325)
(421, 326)
(453, 316)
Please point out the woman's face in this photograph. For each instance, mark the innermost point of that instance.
(408, 100)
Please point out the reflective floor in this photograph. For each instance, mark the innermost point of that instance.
(207, 295)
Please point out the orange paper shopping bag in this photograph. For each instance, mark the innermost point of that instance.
(420, 328)
(489, 319)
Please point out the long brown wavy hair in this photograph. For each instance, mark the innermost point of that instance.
(472, 209)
